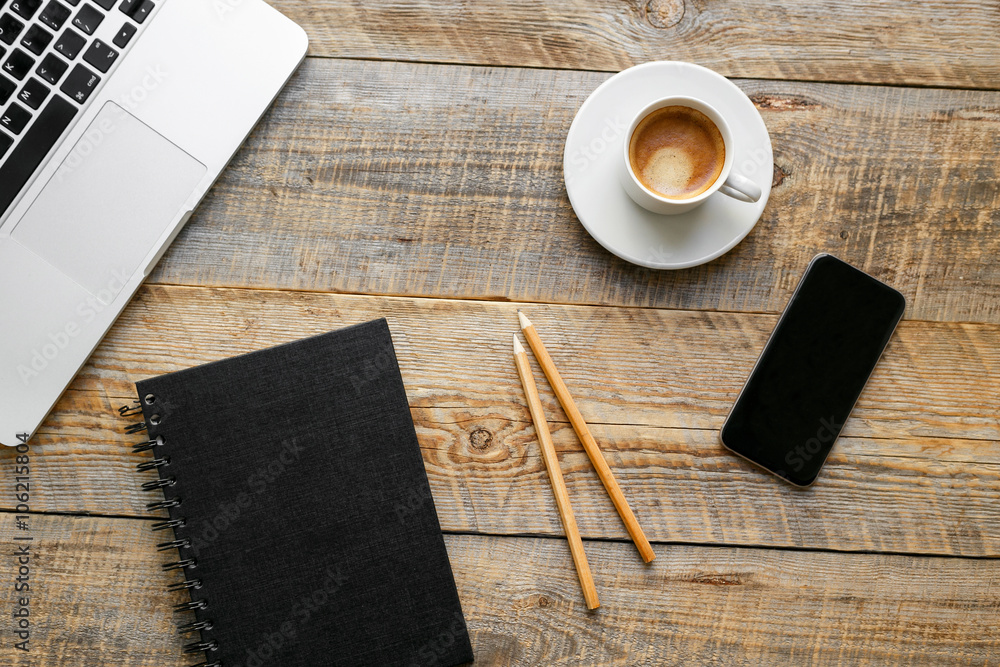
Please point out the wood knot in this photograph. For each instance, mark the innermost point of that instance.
(783, 102)
(664, 13)
(735, 579)
(531, 602)
(480, 439)
(779, 175)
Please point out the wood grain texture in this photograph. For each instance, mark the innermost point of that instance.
(99, 599)
(725, 606)
(98, 595)
(918, 470)
(424, 180)
(442, 178)
(936, 43)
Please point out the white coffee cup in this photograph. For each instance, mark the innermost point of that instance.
(729, 183)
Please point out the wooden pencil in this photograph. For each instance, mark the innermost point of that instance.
(589, 444)
(555, 476)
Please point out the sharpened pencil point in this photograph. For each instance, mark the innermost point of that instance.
(525, 322)
(518, 348)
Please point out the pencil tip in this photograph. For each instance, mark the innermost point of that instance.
(518, 348)
(525, 322)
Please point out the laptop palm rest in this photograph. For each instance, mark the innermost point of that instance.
(124, 184)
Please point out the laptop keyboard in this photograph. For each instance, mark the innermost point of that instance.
(53, 55)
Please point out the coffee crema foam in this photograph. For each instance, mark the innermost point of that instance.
(677, 152)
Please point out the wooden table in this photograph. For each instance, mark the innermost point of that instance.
(413, 170)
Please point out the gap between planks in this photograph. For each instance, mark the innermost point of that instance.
(609, 540)
(589, 70)
(506, 301)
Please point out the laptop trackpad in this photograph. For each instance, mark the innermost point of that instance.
(110, 201)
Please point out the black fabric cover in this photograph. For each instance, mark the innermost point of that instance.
(307, 506)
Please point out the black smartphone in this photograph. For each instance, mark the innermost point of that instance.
(812, 370)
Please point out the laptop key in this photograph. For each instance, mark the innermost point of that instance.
(36, 39)
(25, 8)
(54, 15)
(105, 4)
(5, 143)
(33, 148)
(124, 35)
(7, 88)
(15, 118)
(88, 18)
(100, 55)
(18, 64)
(33, 93)
(80, 83)
(70, 43)
(137, 10)
(52, 68)
(143, 10)
(10, 28)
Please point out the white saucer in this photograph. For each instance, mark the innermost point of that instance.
(595, 143)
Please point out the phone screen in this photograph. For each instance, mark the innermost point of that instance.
(812, 370)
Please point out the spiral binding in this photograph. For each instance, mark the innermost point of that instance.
(149, 444)
(173, 544)
(196, 626)
(180, 543)
(129, 409)
(188, 583)
(163, 504)
(159, 483)
(137, 427)
(165, 525)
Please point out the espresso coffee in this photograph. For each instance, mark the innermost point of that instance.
(677, 152)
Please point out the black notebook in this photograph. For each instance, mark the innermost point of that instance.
(300, 508)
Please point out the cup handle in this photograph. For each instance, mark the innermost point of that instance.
(740, 187)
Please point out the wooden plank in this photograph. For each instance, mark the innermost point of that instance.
(98, 599)
(725, 606)
(97, 594)
(396, 178)
(646, 367)
(935, 43)
(922, 448)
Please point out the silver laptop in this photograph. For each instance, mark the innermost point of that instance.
(116, 116)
